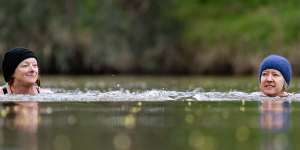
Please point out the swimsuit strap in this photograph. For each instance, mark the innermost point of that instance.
(4, 90)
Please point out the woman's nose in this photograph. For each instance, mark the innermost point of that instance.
(270, 77)
(32, 68)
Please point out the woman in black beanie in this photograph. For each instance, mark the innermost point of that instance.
(21, 72)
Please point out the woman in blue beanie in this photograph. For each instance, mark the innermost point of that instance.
(21, 73)
(275, 73)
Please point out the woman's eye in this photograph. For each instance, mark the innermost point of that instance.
(24, 65)
(275, 74)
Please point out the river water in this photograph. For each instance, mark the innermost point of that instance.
(134, 112)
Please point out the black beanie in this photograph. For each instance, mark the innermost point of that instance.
(12, 59)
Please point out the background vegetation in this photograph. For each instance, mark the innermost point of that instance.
(152, 36)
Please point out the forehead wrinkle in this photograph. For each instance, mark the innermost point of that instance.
(29, 60)
(272, 70)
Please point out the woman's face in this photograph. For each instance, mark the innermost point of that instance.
(272, 82)
(27, 72)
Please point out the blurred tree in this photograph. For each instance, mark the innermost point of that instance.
(151, 36)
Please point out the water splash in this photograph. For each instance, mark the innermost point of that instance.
(61, 95)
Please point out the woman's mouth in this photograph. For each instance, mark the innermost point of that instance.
(269, 86)
(30, 75)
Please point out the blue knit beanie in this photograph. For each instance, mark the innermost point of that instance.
(278, 63)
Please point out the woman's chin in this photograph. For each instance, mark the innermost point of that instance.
(274, 94)
(270, 93)
(29, 82)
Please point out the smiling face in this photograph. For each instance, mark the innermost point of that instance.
(272, 83)
(27, 72)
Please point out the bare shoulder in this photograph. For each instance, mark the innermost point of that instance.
(1, 91)
(45, 91)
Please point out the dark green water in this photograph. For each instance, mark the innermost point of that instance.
(152, 125)
(159, 125)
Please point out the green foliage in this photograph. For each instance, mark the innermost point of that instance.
(151, 36)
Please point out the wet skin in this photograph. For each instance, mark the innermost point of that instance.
(26, 72)
(272, 83)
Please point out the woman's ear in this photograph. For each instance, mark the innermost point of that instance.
(285, 86)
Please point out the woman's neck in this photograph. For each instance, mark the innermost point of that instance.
(16, 88)
(282, 94)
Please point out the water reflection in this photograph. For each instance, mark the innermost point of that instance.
(119, 126)
(275, 121)
(19, 125)
(274, 114)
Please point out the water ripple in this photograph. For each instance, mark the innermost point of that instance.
(126, 95)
